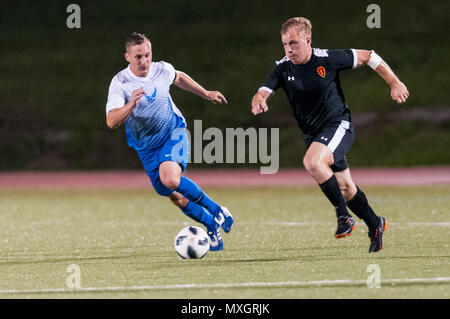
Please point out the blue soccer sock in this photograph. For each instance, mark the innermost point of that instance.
(199, 214)
(191, 191)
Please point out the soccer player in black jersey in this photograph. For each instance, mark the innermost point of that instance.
(310, 79)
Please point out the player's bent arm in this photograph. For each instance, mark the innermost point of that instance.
(399, 92)
(259, 102)
(185, 82)
(116, 117)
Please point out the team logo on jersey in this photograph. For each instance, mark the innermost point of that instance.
(321, 71)
(152, 98)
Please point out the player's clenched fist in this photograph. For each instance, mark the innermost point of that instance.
(136, 95)
(399, 92)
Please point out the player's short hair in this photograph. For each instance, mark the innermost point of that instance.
(300, 23)
(135, 39)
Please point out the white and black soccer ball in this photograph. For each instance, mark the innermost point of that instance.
(191, 242)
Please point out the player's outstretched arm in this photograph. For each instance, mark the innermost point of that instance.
(259, 102)
(116, 117)
(399, 91)
(185, 82)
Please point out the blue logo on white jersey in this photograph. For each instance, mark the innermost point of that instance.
(152, 98)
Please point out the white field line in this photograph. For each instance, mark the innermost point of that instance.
(422, 224)
(441, 224)
(318, 283)
(412, 224)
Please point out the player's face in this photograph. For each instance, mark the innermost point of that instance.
(297, 46)
(140, 58)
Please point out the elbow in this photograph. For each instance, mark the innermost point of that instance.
(110, 123)
(365, 57)
(374, 60)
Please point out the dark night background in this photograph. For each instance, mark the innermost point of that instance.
(54, 80)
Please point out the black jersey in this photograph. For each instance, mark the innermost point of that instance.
(313, 89)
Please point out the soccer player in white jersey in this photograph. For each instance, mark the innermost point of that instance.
(310, 78)
(139, 98)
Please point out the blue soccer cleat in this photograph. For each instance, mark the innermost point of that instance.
(225, 219)
(215, 238)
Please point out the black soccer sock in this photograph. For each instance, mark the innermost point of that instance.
(331, 189)
(360, 206)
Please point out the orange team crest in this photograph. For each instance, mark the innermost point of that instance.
(321, 71)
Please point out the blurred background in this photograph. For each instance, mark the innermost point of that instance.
(54, 80)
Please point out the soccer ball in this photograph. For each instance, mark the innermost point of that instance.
(191, 242)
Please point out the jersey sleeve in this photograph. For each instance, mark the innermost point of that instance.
(171, 71)
(272, 82)
(116, 98)
(343, 59)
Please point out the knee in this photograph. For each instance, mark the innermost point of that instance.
(313, 166)
(178, 200)
(170, 180)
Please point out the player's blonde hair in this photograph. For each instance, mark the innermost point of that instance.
(135, 39)
(299, 23)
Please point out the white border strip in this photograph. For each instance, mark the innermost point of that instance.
(338, 135)
(355, 58)
(266, 89)
(317, 283)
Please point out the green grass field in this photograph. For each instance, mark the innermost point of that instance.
(124, 238)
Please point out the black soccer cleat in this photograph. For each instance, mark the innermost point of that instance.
(346, 224)
(376, 236)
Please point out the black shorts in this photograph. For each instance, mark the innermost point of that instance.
(338, 137)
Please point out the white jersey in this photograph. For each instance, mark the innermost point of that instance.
(155, 116)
